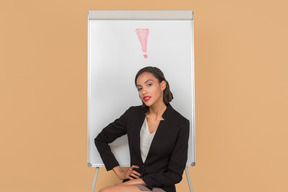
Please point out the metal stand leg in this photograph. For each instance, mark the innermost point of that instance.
(95, 178)
(188, 178)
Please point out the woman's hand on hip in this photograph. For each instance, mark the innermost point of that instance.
(127, 174)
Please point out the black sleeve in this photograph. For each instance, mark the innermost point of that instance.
(176, 164)
(108, 135)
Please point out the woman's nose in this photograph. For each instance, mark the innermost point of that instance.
(144, 91)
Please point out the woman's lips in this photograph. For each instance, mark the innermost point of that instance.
(146, 98)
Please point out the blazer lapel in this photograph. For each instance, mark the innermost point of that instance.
(138, 126)
(161, 125)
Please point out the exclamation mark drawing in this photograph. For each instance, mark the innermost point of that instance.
(143, 36)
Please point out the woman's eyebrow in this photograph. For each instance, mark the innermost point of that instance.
(146, 81)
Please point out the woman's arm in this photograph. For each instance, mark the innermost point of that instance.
(108, 135)
(176, 164)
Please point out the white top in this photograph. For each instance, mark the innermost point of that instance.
(145, 140)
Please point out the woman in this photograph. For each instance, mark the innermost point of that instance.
(157, 136)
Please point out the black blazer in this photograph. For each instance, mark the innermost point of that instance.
(167, 156)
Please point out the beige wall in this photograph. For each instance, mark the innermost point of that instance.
(241, 94)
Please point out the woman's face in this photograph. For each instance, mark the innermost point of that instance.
(149, 89)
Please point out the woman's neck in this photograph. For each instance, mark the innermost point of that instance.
(156, 111)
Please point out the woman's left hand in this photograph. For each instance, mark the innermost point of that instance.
(134, 182)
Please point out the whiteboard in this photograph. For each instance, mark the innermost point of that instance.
(120, 43)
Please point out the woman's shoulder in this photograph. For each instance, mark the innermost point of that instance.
(177, 115)
(136, 108)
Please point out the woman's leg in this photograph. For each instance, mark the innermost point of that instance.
(121, 188)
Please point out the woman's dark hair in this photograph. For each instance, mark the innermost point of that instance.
(167, 94)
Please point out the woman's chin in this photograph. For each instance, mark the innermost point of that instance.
(148, 104)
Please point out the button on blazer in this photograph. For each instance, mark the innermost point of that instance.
(167, 156)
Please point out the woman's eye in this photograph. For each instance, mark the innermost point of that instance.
(139, 89)
(149, 84)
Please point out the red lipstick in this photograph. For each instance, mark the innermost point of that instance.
(146, 98)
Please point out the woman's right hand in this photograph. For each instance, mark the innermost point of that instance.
(127, 174)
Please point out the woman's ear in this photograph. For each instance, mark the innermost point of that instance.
(163, 85)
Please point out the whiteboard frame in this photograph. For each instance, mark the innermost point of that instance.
(141, 15)
(138, 15)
